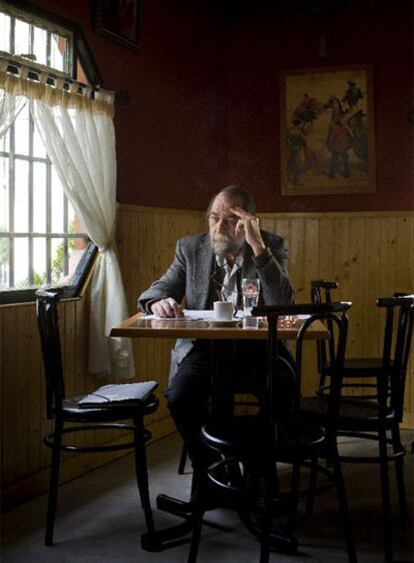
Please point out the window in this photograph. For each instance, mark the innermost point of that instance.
(42, 243)
(28, 37)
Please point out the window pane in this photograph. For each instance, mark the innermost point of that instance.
(21, 199)
(5, 142)
(22, 38)
(38, 146)
(39, 45)
(4, 263)
(39, 197)
(39, 261)
(4, 194)
(21, 132)
(57, 204)
(58, 261)
(4, 32)
(21, 262)
(77, 248)
(74, 225)
(58, 47)
(80, 73)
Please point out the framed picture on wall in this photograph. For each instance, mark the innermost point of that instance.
(327, 131)
(118, 19)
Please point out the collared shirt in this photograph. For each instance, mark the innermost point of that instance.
(230, 282)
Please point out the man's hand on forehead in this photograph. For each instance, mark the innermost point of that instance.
(248, 226)
(245, 219)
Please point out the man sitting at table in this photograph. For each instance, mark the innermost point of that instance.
(206, 268)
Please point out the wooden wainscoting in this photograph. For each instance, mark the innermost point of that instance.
(369, 254)
(23, 419)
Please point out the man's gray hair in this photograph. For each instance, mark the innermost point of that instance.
(236, 192)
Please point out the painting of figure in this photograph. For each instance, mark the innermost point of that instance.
(327, 131)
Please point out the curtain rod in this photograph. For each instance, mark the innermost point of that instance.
(53, 78)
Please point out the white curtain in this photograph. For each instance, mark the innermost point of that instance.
(79, 137)
(10, 105)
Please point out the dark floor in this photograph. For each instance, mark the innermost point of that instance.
(100, 520)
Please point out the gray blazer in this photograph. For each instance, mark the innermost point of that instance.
(189, 278)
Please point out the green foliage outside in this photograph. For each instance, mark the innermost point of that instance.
(39, 280)
(58, 260)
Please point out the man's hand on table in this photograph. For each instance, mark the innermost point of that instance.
(166, 308)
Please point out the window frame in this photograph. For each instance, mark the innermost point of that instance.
(79, 278)
(82, 54)
(81, 50)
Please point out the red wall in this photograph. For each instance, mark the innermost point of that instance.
(172, 136)
(277, 39)
(204, 107)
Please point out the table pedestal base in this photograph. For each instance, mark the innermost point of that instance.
(175, 535)
(181, 533)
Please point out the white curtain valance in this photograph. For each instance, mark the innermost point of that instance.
(54, 90)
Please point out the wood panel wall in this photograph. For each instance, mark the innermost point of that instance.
(369, 254)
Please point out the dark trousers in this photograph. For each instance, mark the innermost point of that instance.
(190, 389)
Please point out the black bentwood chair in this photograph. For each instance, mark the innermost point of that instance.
(359, 372)
(90, 416)
(254, 444)
(379, 419)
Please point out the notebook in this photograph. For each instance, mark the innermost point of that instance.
(121, 393)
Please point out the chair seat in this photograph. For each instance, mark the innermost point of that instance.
(244, 436)
(361, 367)
(71, 411)
(353, 413)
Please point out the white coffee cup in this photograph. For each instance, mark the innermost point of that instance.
(223, 310)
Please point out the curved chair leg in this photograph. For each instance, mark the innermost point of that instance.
(399, 474)
(183, 459)
(53, 483)
(142, 474)
(343, 506)
(385, 494)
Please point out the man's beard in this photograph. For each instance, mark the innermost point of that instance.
(223, 245)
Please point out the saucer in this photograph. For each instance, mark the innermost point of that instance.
(222, 324)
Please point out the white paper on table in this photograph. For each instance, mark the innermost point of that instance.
(191, 315)
(202, 315)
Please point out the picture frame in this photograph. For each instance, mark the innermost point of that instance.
(118, 20)
(327, 131)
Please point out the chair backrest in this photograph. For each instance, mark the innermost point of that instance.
(321, 293)
(399, 319)
(48, 323)
(321, 290)
(335, 313)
